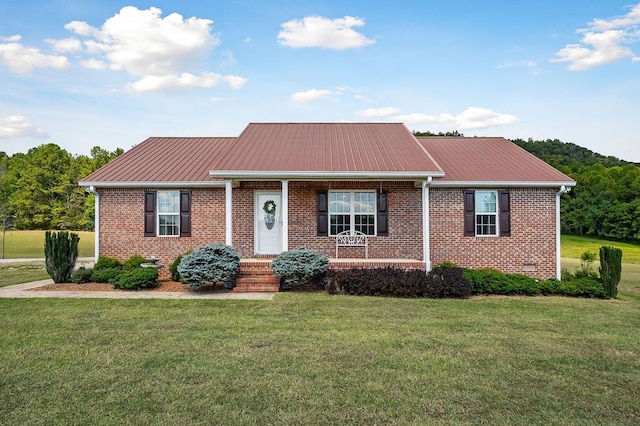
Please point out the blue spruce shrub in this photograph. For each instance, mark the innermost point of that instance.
(299, 266)
(209, 264)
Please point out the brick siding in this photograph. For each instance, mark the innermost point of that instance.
(532, 240)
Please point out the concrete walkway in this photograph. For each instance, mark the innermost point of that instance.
(23, 291)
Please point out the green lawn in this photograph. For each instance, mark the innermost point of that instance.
(18, 273)
(30, 244)
(318, 359)
(573, 246)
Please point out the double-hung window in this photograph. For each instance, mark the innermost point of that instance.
(486, 203)
(169, 213)
(352, 211)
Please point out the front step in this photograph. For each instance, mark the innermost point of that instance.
(256, 276)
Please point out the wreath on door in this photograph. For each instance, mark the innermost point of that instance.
(269, 207)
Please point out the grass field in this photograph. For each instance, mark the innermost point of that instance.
(320, 360)
(573, 246)
(30, 244)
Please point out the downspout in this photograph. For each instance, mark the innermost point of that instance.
(96, 226)
(563, 190)
(228, 215)
(426, 245)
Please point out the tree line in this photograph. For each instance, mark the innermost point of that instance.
(39, 189)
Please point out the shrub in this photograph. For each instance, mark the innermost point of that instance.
(209, 264)
(105, 262)
(585, 270)
(134, 262)
(445, 281)
(135, 279)
(173, 268)
(299, 266)
(82, 275)
(61, 252)
(610, 269)
(105, 275)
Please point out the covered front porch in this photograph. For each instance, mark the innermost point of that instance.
(255, 274)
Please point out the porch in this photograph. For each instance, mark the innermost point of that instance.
(255, 274)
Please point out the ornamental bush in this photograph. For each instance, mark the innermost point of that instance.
(299, 266)
(105, 275)
(105, 262)
(610, 269)
(443, 281)
(61, 252)
(209, 264)
(135, 279)
(82, 275)
(173, 268)
(134, 262)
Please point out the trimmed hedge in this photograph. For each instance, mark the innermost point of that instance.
(82, 275)
(105, 262)
(136, 279)
(446, 281)
(134, 262)
(105, 275)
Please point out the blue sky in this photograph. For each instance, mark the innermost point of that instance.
(111, 74)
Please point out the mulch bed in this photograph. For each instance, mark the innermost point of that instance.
(162, 286)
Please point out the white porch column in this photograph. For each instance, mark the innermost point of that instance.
(563, 190)
(96, 249)
(426, 245)
(228, 192)
(285, 215)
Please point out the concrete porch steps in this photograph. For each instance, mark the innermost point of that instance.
(256, 276)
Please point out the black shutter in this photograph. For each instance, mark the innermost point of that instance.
(323, 213)
(185, 213)
(504, 213)
(383, 213)
(150, 214)
(469, 213)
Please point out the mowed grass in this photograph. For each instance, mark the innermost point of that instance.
(318, 359)
(18, 273)
(573, 246)
(30, 244)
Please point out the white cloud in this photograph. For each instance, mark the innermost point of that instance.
(184, 81)
(603, 41)
(470, 118)
(317, 31)
(93, 64)
(378, 112)
(70, 44)
(17, 125)
(12, 39)
(22, 60)
(311, 95)
(160, 52)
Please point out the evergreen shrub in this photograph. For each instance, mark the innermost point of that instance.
(105, 275)
(610, 269)
(173, 268)
(82, 275)
(61, 252)
(105, 262)
(210, 264)
(134, 262)
(136, 279)
(299, 266)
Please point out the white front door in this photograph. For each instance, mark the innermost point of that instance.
(268, 222)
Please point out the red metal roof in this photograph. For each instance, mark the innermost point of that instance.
(326, 147)
(163, 160)
(481, 159)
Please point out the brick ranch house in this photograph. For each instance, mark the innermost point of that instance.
(477, 202)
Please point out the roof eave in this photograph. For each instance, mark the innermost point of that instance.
(154, 184)
(503, 184)
(319, 175)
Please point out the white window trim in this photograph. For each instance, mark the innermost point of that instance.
(352, 213)
(158, 214)
(495, 214)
